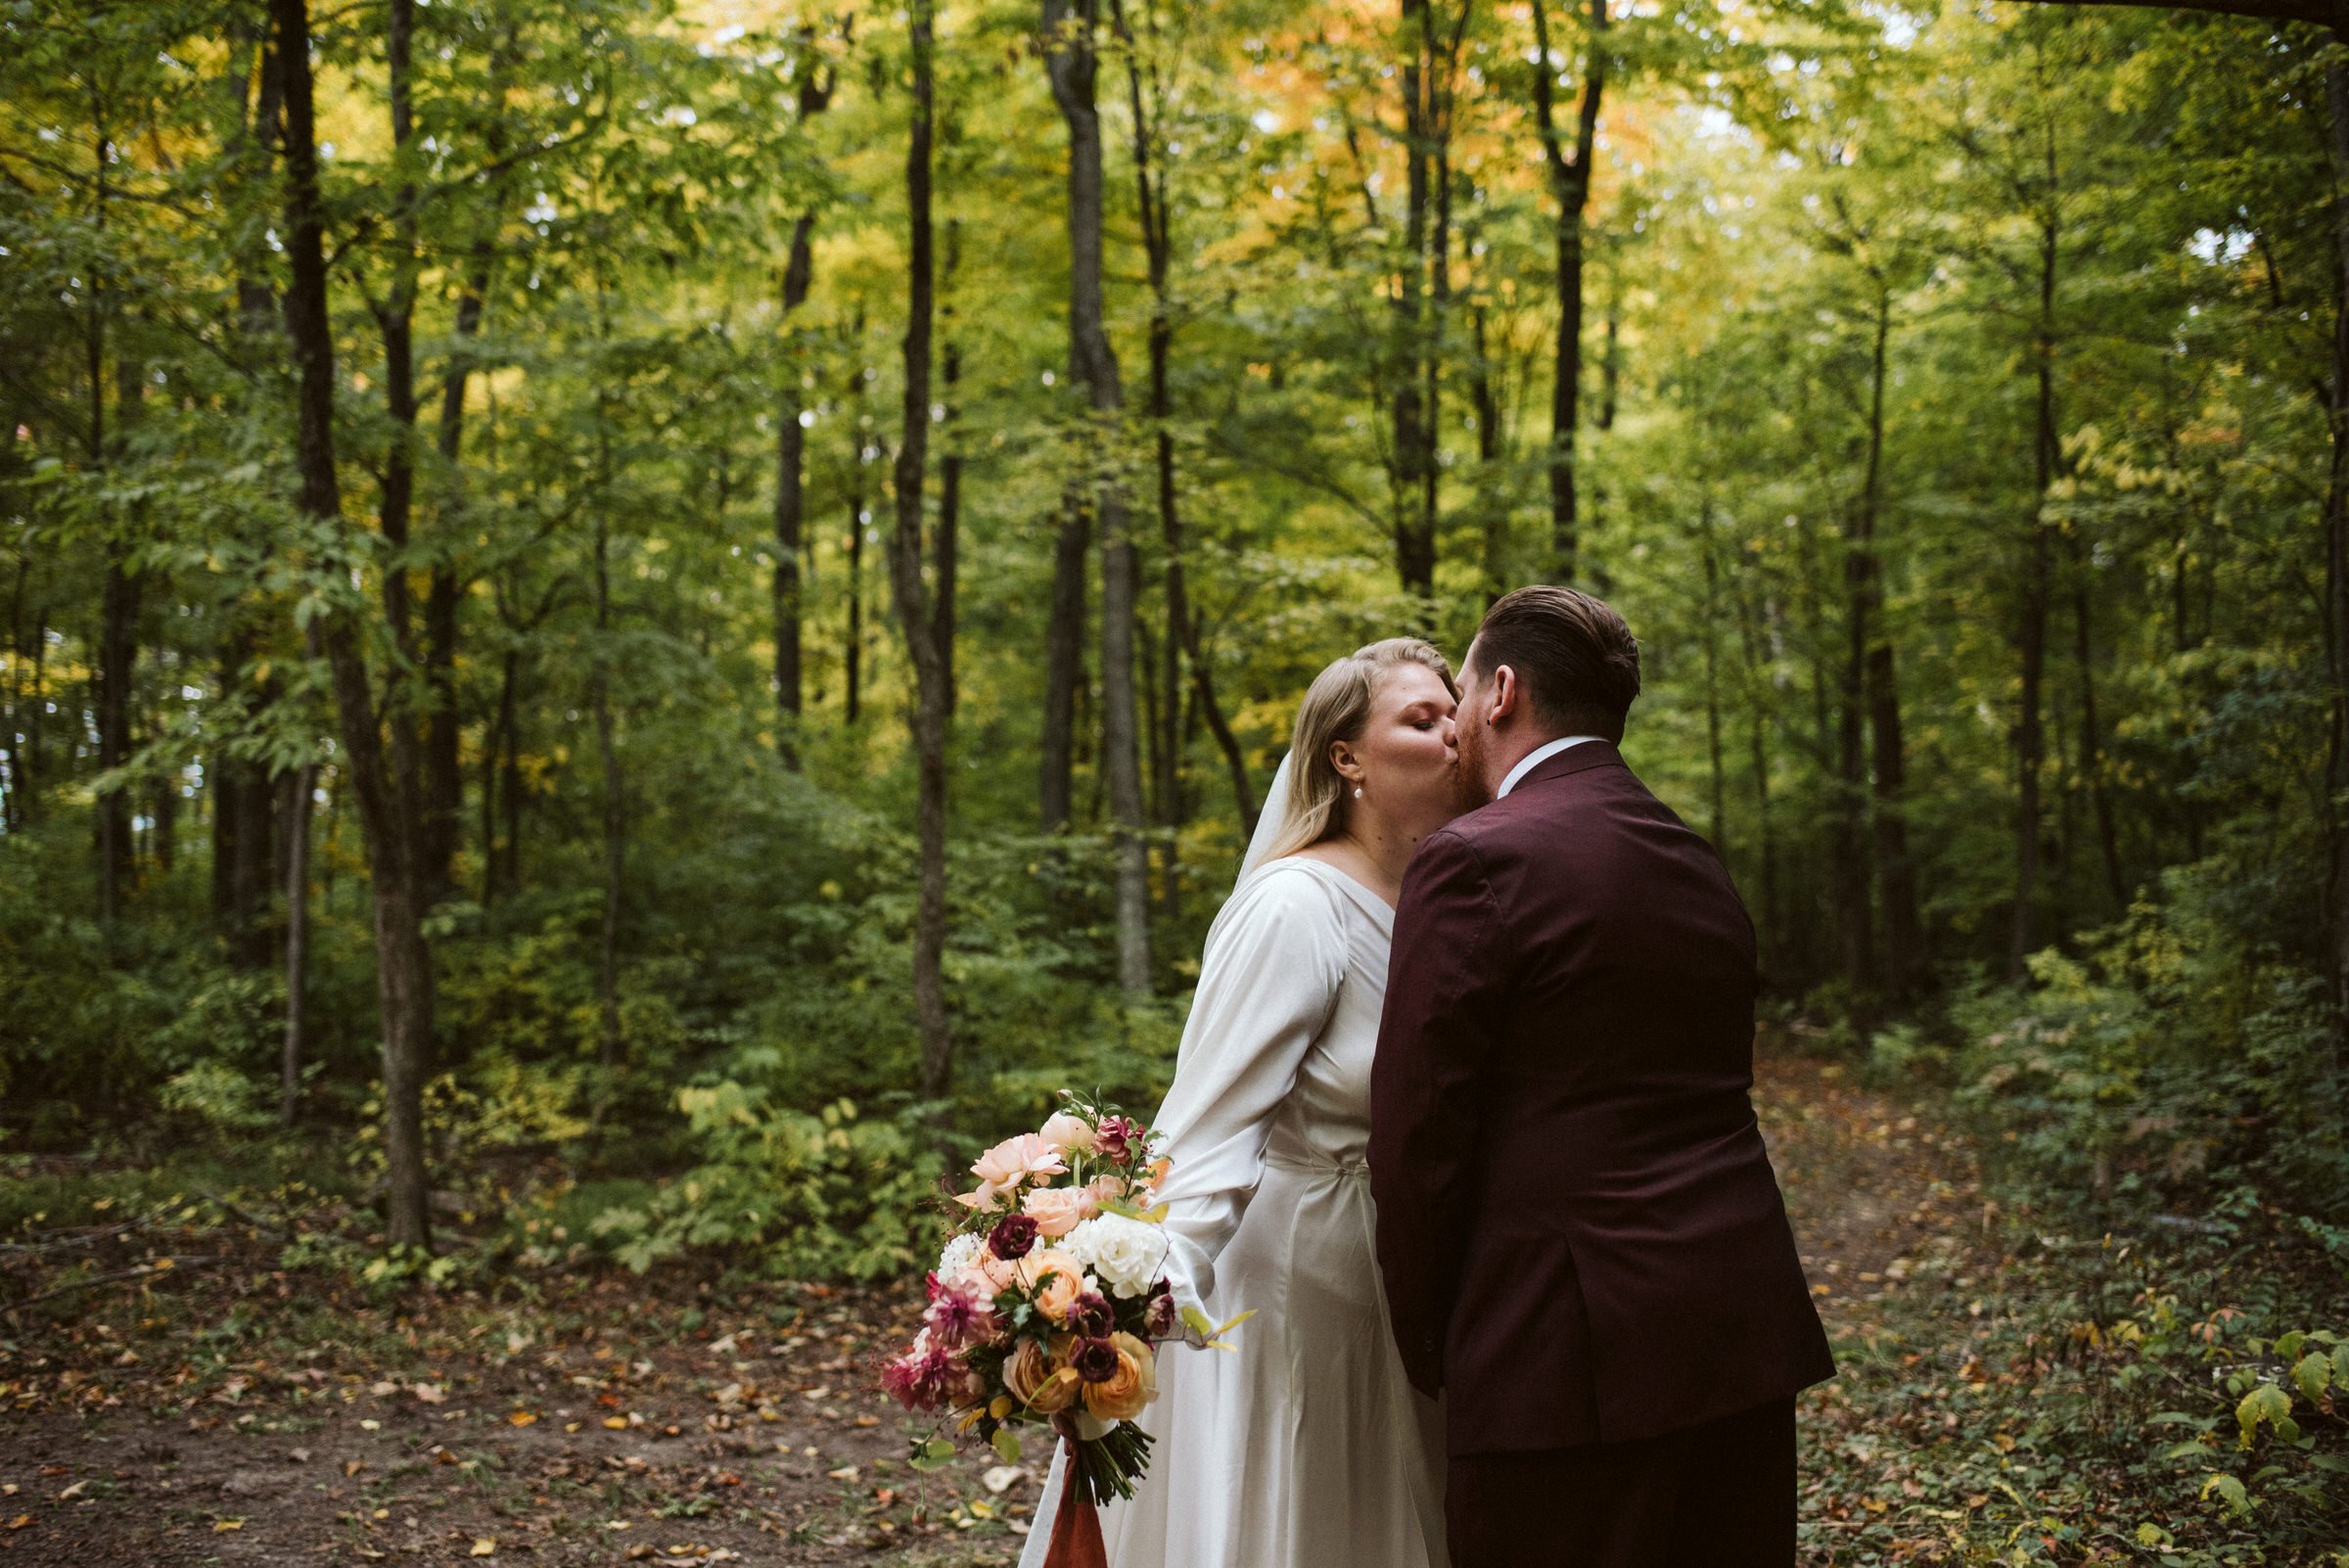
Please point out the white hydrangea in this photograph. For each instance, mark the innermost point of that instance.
(1125, 1254)
(961, 1254)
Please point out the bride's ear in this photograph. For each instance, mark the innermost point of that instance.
(1347, 765)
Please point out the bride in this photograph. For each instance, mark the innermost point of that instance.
(1303, 1446)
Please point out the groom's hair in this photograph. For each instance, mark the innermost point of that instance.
(1576, 658)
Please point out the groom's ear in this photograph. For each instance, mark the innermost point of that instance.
(1507, 695)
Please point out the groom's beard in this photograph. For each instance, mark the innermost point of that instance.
(1468, 785)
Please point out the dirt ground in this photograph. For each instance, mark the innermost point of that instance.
(632, 1422)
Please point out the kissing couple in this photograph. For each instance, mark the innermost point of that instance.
(1462, 1113)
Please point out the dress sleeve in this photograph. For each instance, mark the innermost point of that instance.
(1268, 981)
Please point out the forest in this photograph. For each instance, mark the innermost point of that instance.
(629, 623)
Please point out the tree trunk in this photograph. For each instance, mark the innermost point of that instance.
(1757, 706)
(2337, 551)
(1414, 436)
(302, 785)
(791, 501)
(924, 643)
(444, 776)
(1092, 364)
(1718, 827)
(1570, 188)
(403, 959)
(1492, 497)
(1064, 663)
(1896, 869)
(118, 650)
(948, 567)
(791, 458)
(611, 1044)
(1182, 625)
(2030, 735)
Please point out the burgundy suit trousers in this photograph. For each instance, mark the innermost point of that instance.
(1715, 1495)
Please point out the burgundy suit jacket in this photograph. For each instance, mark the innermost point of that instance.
(1582, 1236)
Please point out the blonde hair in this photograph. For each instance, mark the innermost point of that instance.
(1337, 708)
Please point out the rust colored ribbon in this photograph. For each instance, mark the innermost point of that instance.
(1076, 1526)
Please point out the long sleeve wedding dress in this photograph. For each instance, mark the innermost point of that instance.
(1302, 1446)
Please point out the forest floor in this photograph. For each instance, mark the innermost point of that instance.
(238, 1415)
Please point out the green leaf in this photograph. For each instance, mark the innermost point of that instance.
(2314, 1374)
(2230, 1491)
(2266, 1403)
(1007, 1445)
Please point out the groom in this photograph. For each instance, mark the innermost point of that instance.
(1581, 1238)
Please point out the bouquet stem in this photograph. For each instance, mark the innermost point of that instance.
(1104, 1469)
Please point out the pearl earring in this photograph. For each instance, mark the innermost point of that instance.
(1358, 792)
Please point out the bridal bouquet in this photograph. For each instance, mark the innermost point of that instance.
(1049, 1301)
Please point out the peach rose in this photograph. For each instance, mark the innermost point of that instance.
(1054, 1296)
(1105, 1189)
(1039, 1383)
(1072, 1135)
(1057, 1210)
(1121, 1398)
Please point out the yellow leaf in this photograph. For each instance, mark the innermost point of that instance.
(221, 1526)
(618, 1424)
(482, 1546)
(520, 1418)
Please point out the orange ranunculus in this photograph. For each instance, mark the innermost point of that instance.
(1121, 1398)
(1038, 1379)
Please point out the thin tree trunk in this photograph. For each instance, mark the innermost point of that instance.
(916, 618)
(1413, 440)
(118, 650)
(1570, 188)
(403, 959)
(1718, 825)
(1491, 501)
(2337, 551)
(1064, 663)
(2030, 735)
(1092, 364)
(791, 500)
(611, 1042)
(302, 785)
(443, 775)
(949, 550)
(1757, 706)
(790, 459)
(1182, 625)
(1896, 869)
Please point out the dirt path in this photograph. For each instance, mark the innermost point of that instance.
(615, 1423)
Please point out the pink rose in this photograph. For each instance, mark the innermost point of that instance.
(1010, 1163)
(1105, 1189)
(1057, 1210)
(1069, 1133)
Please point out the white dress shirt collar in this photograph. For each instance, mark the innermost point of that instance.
(1537, 756)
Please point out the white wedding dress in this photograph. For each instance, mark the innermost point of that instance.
(1304, 1446)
